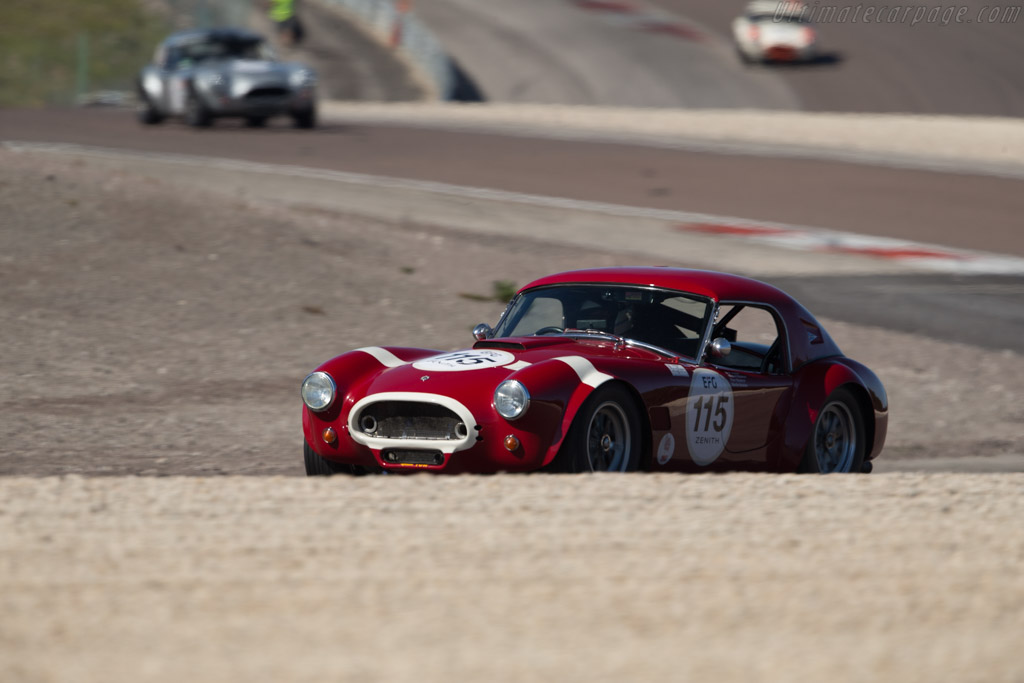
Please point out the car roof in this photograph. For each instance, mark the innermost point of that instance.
(707, 283)
(775, 6)
(807, 338)
(227, 34)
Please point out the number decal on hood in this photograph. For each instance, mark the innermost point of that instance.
(473, 359)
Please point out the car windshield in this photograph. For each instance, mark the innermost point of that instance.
(195, 53)
(667, 319)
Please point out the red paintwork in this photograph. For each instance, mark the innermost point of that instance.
(773, 414)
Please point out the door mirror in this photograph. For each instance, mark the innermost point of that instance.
(482, 331)
(720, 348)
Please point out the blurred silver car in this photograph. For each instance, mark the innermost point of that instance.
(775, 31)
(201, 75)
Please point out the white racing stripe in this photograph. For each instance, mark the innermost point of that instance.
(383, 356)
(585, 370)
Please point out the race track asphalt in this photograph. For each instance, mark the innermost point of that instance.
(928, 67)
(965, 211)
(659, 53)
(972, 212)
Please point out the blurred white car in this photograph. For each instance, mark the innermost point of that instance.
(205, 74)
(774, 31)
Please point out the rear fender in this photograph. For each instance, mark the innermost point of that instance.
(817, 381)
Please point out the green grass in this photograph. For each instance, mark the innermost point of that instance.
(41, 41)
(502, 291)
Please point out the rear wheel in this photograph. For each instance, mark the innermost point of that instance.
(604, 437)
(837, 439)
(305, 118)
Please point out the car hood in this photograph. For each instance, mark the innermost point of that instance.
(258, 67)
(480, 369)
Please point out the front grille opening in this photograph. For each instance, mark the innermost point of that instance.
(411, 420)
(268, 92)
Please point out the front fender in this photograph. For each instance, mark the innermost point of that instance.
(352, 372)
(151, 85)
(558, 387)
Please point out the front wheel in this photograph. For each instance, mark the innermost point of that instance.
(197, 114)
(604, 437)
(317, 466)
(837, 439)
(146, 113)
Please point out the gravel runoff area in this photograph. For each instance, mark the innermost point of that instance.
(153, 330)
(900, 577)
(964, 144)
(152, 333)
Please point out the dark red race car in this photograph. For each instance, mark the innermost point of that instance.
(614, 369)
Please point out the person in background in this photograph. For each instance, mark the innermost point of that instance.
(285, 17)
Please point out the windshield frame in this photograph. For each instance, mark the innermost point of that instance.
(206, 49)
(707, 320)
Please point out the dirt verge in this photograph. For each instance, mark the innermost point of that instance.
(899, 577)
(154, 330)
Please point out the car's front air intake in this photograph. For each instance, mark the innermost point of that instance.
(267, 92)
(410, 420)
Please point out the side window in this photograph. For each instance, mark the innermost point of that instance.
(756, 339)
(675, 323)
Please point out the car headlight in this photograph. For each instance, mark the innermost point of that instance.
(511, 399)
(303, 78)
(318, 391)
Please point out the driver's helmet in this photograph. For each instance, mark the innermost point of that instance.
(623, 321)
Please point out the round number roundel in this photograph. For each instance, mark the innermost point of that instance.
(473, 359)
(709, 413)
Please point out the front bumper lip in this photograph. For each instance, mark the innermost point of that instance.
(226, 105)
(787, 53)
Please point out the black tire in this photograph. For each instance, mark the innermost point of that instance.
(146, 113)
(305, 118)
(605, 435)
(255, 121)
(197, 114)
(837, 441)
(317, 466)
